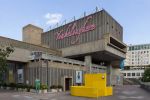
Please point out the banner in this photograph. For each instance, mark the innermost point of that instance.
(11, 79)
(20, 76)
(78, 76)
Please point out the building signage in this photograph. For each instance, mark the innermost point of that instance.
(78, 76)
(73, 30)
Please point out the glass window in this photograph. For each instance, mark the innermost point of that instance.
(135, 47)
(132, 48)
(128, 74)
(129, 48)
(137, 74)
(133, 74)
(138, 47)
(141, 46)
(124, 74)
(147, 47)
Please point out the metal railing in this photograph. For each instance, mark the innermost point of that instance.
(73, 19)
(41, 55)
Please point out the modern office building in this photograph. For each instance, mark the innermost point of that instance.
(91, 44)
(137, 60)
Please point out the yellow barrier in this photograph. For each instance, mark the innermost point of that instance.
(95, 86)
(84, 91)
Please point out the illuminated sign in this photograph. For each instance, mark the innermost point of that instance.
(73, 30)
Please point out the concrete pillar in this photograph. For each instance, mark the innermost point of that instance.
(109, 74)
(117, 77)
(88, 62)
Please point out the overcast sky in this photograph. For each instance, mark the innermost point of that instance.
(133, 15)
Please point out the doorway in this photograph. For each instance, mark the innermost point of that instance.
(68, 83)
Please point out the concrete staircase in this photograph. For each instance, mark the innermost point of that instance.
(131, 81)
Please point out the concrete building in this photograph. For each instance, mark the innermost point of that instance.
(29, 62)
(95, 38)
(32, 34)
(137, 60)
(91, 44)
(133, 73)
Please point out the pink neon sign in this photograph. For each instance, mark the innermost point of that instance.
(72, 30)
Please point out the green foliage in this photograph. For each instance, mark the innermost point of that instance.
(28, 87)
(56, 87)
(53, 87)
(32, 87)
(4, 54)
(22, 86)
(12, 85)
(146, 76)
(60, 87)
(43, 87)
(4, 85)
(17, 86)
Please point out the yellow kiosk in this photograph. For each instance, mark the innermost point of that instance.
(95, 86)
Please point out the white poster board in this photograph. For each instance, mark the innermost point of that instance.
(20, 75)
(78, 76)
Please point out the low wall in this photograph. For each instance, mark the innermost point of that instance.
(146, 86)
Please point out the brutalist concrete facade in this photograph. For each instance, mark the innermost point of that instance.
(45, 64)
(32, 34)
(55, 70)
(87, 29)
(98, 36)
(92, 44)
(97, 33)
(20, 58)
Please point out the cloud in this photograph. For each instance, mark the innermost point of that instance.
(53, 18)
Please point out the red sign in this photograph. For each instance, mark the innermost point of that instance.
(72, 30)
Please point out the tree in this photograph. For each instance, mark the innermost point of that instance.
(4, 54)
(146, 76)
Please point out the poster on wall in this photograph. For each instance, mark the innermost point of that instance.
(20, 76)
(78, 76)
(11, 79)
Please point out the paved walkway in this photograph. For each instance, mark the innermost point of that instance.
(127, 92)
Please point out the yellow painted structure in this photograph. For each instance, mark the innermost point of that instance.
(95, 86)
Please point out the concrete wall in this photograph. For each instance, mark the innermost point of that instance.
(22, 46)
(84, 48)
(32, 34)
(56, 72)
(21, 55)
(103, 22)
